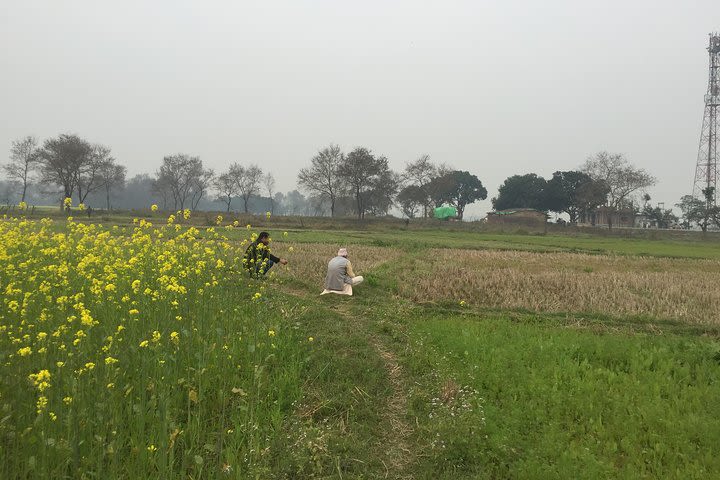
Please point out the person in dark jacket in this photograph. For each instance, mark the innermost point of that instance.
(258, 259)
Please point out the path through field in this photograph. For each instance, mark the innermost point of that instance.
(393, 436)
(426, 418)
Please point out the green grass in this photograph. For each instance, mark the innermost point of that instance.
(563, 403)
(424, 234)
(385, 389)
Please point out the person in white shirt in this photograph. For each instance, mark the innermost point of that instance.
(340, 276)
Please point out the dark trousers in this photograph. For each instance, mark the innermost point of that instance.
(259, 270)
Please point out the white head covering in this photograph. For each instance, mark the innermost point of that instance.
(342, 252)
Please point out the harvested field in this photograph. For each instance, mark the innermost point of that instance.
(308, 261)
(673, 289)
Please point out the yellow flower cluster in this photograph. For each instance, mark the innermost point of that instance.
(98, 324)
(72, 294)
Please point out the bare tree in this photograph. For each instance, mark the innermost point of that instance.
(180, 174)
(89, 179)
(200, 186)
(421, 173)
(161, 187)
(321, 178)
(227, 186)
(270, 190)
(62, 161)
(23, 158)
(622, 178)
(249, 183)
(111, 176)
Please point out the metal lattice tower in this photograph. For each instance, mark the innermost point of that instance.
(706, 171)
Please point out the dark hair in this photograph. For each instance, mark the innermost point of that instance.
(263, 235)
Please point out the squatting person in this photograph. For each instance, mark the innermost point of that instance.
(258, 259)
(340, 276)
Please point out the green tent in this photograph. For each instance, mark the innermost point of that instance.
(444, 213)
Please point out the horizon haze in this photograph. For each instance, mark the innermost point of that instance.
(495, 88)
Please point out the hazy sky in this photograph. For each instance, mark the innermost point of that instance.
(496, 88)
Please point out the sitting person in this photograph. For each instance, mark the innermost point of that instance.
(340, 276)
(258, 259)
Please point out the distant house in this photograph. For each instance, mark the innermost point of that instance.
(609, 217)
(517, 216)
(643, 221)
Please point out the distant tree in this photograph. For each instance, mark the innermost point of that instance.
(89, 180)
(381, 196)
(270, 190)
(362, 172)
(111, 177)
(590, 196)
(622, 178)
(200, 187)
(411, 200)
(318, 206)
(226, 185)
(296, 203)
(704, 213)
(138, 193)
(459, 189)
(420, 174)
(661, 218)
(248, 181)
(522, 191)
(179, 175)
(279, 202)
(162, 189)
(63, 160)
(23, 159)
(321, 177)
(573, 192)
(7, 192)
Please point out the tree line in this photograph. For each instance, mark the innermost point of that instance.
(69, 163)
(359, 182)
(368, 182)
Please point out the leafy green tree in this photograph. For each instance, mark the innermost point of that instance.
(661, 218)
(366, 176)
(385, 186)
(522, 191)
(459, 189)
(574, 192)
(412, 199)
(704, 213)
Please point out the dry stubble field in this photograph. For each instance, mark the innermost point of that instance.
(662, 288)
(308, 261)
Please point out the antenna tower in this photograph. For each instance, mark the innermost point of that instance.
(706, 171)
